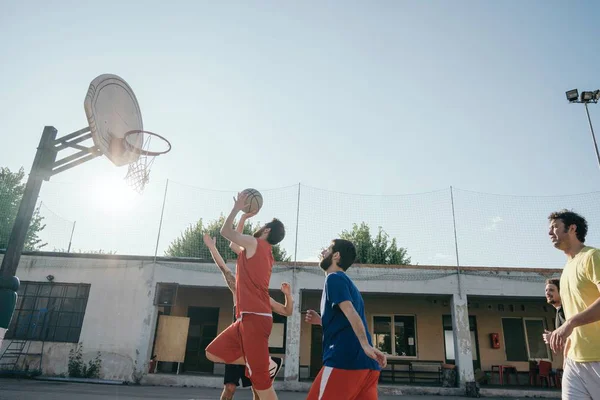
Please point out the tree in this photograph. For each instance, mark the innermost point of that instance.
(190, 243)
(12, 187)
(375, 250)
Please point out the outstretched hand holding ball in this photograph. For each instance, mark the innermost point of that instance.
(249, 201)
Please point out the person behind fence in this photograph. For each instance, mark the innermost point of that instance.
(351, 365)
(246, 341)
(579, 335)
(552, 292)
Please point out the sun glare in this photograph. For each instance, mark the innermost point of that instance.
(113, 196)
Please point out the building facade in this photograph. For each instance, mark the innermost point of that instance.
(473, 318)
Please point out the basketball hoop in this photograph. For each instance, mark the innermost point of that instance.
(138, 141)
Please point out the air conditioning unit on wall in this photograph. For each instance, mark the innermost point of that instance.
(166, 294)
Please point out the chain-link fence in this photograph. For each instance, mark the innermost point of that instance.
(443, 227)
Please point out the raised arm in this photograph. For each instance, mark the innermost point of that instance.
(360, 332)
(287, 309)
(227, 274)
(240, 229)
(248, 242)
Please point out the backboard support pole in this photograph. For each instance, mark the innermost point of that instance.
(89, 155)
(44, 167)
(72, 143)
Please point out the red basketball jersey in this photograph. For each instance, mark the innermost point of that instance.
(252, 277)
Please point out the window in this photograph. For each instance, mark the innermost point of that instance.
(534, 328)
(449, 338)
(49, 311)
(523, 339)
(399, 327)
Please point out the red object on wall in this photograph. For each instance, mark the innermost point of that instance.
(495, 340)
(152, 366)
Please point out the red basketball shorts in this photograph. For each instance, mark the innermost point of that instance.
(248, 338)
(346, 384)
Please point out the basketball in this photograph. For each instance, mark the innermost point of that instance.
(254, 201)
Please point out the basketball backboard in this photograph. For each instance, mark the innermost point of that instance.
(112, 110)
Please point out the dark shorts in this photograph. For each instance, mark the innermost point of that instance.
(233, 374)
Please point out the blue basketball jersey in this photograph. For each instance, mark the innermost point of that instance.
(341, 348)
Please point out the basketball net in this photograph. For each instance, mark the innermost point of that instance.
(138, 172)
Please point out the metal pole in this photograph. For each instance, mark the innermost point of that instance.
(455, 242)
(297, 223)
(40, 170)
(71, 238)
(592, 130)
(162, 213)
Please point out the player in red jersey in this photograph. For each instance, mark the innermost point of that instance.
(246, 341)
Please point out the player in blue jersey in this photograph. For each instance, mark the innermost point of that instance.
(351, 365)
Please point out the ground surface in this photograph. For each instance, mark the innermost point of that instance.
(24, 389)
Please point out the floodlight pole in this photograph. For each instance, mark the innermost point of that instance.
(44, 166)
(585, 98)
(592, 130)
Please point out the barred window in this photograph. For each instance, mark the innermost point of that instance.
(523, 339)
(50, 312)
(395, 334)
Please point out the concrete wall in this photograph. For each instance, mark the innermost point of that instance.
(118, 315)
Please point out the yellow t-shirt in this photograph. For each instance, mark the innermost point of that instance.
(578, 290)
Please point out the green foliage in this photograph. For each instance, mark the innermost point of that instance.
(375, 250)
(78, 369)
(12, 187)
(191, 244)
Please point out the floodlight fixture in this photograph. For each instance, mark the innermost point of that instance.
(572, 95)
(586, 97)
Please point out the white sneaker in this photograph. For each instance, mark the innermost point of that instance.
(274, 366)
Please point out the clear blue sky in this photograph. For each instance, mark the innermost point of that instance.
(387, 97)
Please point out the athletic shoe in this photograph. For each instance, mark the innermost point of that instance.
(274, 366)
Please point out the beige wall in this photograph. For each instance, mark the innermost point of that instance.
(428, 312)
(428, 317)
(489, 320)
(205, 297)
(210, 297)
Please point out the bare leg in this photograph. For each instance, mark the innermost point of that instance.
(228, 391)
(215, 359)
(268, 394)
(255, 395)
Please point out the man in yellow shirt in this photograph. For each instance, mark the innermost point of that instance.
(580, 295)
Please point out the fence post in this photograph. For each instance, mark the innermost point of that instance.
(162, 213)
(455, 242)
(71, 238)
(297, 223)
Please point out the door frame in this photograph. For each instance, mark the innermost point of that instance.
(217, 310)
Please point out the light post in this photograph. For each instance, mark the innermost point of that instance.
(585, 98)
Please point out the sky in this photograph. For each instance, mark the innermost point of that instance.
(356, 101)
